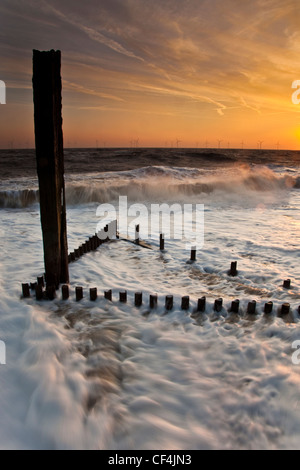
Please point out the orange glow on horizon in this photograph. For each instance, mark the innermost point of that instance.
(203, 74)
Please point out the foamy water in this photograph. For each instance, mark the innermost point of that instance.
(112, 376)
(158, 184)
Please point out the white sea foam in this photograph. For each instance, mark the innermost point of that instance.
(158, 183)
(110, 376)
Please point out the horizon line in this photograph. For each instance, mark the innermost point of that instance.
(163, 148)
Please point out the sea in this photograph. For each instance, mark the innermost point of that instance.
(108, 375)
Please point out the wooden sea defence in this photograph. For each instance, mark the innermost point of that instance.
(47, 91)
(186, 304)
(108, 233)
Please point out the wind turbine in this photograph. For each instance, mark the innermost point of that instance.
(219, 143)
(260, 142)
(278, 145)
(242, 144)
(178, 142)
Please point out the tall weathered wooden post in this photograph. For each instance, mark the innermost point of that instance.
(47, 90)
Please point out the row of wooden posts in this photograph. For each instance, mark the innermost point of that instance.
(106, 234)
(50, 294)
(111, 230)
(43, 292)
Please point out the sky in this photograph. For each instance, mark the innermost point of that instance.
(192, 73)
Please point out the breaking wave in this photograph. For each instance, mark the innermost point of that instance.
(15, 199)
(157, 183)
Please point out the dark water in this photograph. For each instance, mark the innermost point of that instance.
(21, 163)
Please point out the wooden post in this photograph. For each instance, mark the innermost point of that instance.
(108, 295)
(169, 302)
(218, 305)
(153, 301)
(40, 281)
(39, 294)
(193, 254)
(201, 304)
(235, 305)
(287, 284)
(33, 286)
(268, 308)
(93, 294)
(138, 299)
(251, 309)
(65, 292)
(73, 256)
(233, 269)
(161, 242)
(50, 163)
(79, 293)
(285, 309)
(123, 296)
(137, 234)
(25, 291)
(50, 292)
(185, 303)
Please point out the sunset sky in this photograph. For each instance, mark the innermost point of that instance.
(160, 72)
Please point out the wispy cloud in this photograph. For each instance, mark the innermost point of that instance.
(205, 58)
(92, 33)
(89, 91)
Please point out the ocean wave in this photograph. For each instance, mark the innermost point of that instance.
(16, 199)
(160, 184)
